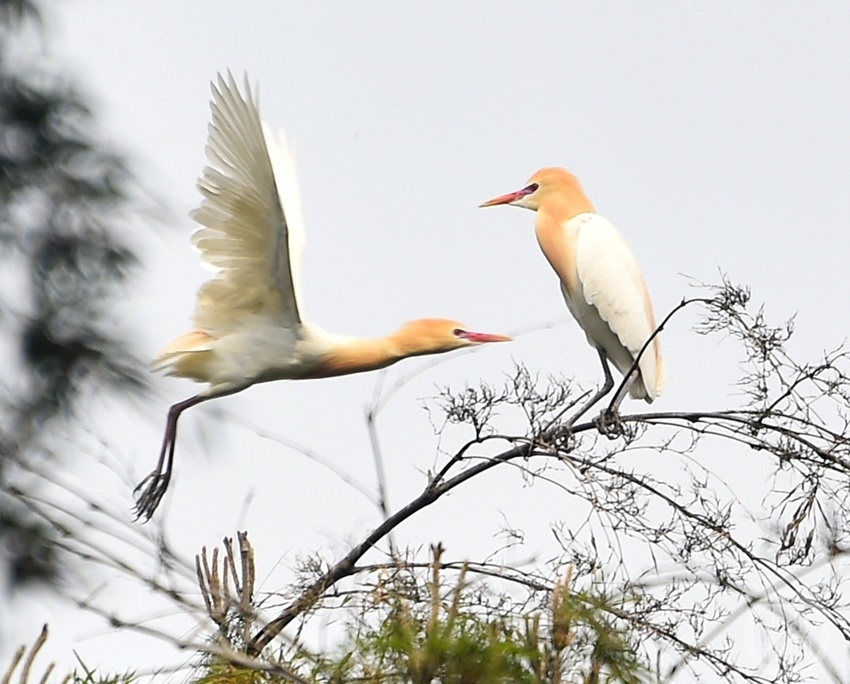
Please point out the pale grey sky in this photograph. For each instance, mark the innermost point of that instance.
(714, 135)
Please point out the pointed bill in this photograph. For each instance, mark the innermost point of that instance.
(507, 199)
(482, 338)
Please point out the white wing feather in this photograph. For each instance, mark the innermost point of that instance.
(286, 179)
(612, 283)
(246, 235)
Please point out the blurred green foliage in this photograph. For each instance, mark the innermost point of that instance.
(406, 624)
(62, 193)
(24, 670)
(449, 634)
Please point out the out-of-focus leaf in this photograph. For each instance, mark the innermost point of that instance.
(62, 194)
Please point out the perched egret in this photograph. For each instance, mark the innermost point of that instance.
(600, 280)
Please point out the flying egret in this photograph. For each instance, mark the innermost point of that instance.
(248, 318)
(600, 280)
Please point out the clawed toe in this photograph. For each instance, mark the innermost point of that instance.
(152, 490)
(608, 423)
(559, 436)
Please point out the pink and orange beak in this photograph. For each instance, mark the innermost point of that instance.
(510, 197)
(482, 338)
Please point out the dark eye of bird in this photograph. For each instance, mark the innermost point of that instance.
(459, 332)
(531, 188)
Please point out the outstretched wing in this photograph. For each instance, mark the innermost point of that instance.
(250, 216)
(612, 283)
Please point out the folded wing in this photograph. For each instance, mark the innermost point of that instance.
(613, 284)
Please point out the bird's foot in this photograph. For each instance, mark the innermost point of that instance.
(149, 493)
(608, 423)
(559, 436)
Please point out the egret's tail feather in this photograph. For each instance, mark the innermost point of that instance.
(187, 356)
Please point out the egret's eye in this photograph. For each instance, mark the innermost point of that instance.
(530, 188)
(459, 332)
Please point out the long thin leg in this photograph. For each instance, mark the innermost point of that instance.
(606, 387)
(614, 406)
(608, 420)
(154, 485)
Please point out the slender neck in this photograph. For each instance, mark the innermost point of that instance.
(357, 355)
(558, 246)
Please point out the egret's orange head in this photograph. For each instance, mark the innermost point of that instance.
(438, 335)
(551, 186)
